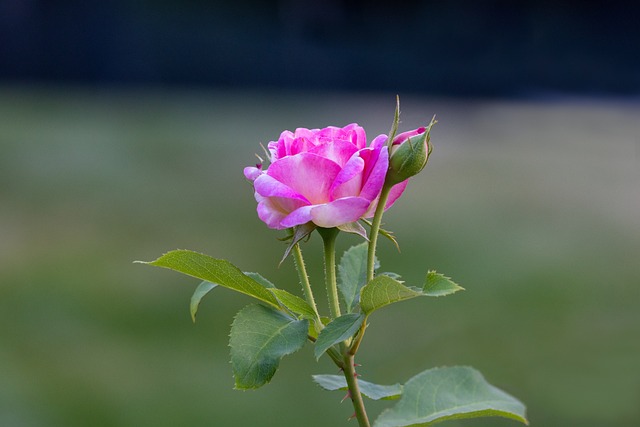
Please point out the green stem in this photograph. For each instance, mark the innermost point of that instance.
(329, 239)
(306, 285)
(354, 390)
(375, 230)
(371, 257)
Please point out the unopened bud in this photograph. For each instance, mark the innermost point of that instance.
(409, 154)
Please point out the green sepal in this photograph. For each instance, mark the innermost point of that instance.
(202, 289)
(388, 234)
(354, 228)
(370, 390)
(442, 394)
(394, 126)
(437, 285)
(260, 337)
(338, 330)
(299, 232)
(214, 270)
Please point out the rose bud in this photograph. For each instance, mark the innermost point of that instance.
(409, 154)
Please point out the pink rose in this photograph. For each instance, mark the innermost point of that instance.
(328, 176)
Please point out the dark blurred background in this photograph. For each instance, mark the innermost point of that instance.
(461, 48)
(124, 128)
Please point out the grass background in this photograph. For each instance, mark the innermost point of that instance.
(532, 206)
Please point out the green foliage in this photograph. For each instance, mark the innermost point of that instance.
(202, 289)
(294, 303)
(260, 279)
(340, 329)
(213, 270)
(260, 338)
(441, 394)
(261, 335)
(352, 272)
(371, 390)
(382, 291)
(437, 285)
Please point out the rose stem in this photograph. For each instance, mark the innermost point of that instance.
(329, 238)
(306, 286)
(348, 366)
(375, 225)
(371, 257)
(354, 390)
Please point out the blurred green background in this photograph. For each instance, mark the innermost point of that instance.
(533, 207)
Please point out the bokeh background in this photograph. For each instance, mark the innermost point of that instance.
(124, 128)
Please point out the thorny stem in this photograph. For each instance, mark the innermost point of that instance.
(329, 238)
(354, 390)
(332, 353)
(371, 257)
(375, 226)
(306, 285)
(346, 359)
(375, 229)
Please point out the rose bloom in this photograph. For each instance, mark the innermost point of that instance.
(328, 176)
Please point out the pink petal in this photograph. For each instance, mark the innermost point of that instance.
(302, 215)
(375, 174)
(251, 173)
(339, 212)
(357, 135)
(278, 148)
(310, 134)
(372, 154)
(394, 194)
(267, 186)
(331, 133)
(271, 211)
(300, 145)
(338, 151)
(349, 180)
(399, 139)
(306, 174)
(379, 141)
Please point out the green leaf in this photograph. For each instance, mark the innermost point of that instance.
(371, 390)
(213, 270)
(382, 291)
(260, 279)
(441, 394)
(202, 289)
(394, 276)
(338, 330)
(260, 337)
(294, 303)
(352, 272)
(437, 285)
